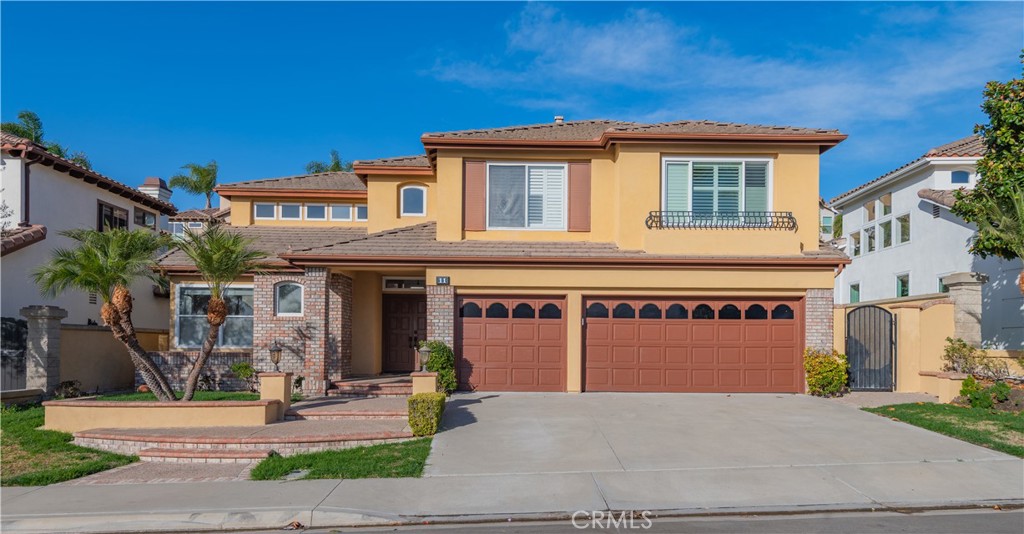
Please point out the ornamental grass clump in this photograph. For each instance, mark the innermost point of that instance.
(827, 372)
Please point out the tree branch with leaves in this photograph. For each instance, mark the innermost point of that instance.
(336, 164)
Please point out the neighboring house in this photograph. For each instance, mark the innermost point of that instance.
(903, 240)
(197, 220)
(48, 195)
(569, 256)
(827, 220)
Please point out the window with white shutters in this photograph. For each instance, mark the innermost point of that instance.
(725, 191)
(526, 196)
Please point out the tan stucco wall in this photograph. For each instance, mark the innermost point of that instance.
(366, 323)
(76, 415)
(385, 203)
(91, 355)
(242, 212)
(626, 185)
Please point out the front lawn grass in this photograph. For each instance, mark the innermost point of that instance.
(199, 396)
(388, 460)
(1001, 431)
(33, 457)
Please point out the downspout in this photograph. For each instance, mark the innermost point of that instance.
(25, 192)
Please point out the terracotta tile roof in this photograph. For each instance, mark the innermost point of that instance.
(275, 240)
(941, 197)
(20, 237)
(398, 161)
(590, 130)
(419, 243)
(201, 214)
(19, 146)
(971, 146)
(323, 181)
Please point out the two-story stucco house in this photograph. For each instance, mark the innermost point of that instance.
(47, 195)
(903, 240)
(570, 256)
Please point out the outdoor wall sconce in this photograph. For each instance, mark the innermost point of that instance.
(424, 356)
(275, 356)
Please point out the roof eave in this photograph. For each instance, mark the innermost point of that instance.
(229, 192)
(633, 262)
(392, 169)
(849, 196)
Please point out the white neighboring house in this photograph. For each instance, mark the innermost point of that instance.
(903, 240)
(826, 220)
(47, 195)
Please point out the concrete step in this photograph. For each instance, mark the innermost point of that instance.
(371, 388)
(350, 408)
(209, 456)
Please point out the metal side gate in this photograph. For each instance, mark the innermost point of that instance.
(871, 348)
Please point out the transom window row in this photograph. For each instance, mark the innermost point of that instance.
(651, 310)
(309, 212)
(522, 310)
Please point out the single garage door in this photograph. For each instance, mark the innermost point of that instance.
(693, 345)
(510, 343)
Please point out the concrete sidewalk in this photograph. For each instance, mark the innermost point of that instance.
(333, 503)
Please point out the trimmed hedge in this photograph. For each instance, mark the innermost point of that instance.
(425, 410)
(827, 372)
(442, 362)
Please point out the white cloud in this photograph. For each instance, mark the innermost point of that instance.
(910, 59)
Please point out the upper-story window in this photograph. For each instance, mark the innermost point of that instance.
(316, 212)
(341, 212)
(855, 243)
(288, 299)
(826, 224)
(290, 212)
(265, 210)
(111, 217)
(886, 202)
(961, 177)
(413, 201)
(869, 211)
(362, 212)
(145, 218)
(716, 186)
(526, 196)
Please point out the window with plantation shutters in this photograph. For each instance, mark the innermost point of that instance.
(723, 191)
(526, 196)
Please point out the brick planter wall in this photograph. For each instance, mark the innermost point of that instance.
(818, 317)
(441, 313)
(176, 364)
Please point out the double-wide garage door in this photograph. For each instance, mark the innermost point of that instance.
(510, 343)
(695, 345)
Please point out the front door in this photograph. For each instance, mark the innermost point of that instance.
(405, 325)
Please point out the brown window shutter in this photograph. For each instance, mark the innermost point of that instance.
(579, 197)
(474, 196)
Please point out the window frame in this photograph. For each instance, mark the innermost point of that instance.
(280, 211)
(856, 244)
(302, 299)
(305, 212)
(564, 226)
(849, 292)
(355, 212)
(330, 212)
(897, 229)
(101, 205)
(255, 211)
(220, 335)
(401, 200)
(666, 160)
(970, 175)
(136, 211)
(897, 287)
(384, 284)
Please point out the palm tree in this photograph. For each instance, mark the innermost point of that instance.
(335, 165)
(30, 126)
(107, 263)
(1005, 222)
(221, 257)
(200, 180)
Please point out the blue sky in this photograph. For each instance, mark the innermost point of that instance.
(264, 88)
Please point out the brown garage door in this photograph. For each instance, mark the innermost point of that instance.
(693, 345)
(510, 343)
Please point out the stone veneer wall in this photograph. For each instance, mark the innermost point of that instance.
(441, 313)
(818, 317)
(177, 363)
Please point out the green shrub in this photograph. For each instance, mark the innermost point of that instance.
(984, 398)
(959, 357)
(425, 410)
(969, 387)
(247, 372)
(442, 362)
(826, 372)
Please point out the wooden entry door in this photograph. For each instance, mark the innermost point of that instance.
(405, 325)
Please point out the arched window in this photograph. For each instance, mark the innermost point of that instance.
(414, 201)
(756, 311)
(550, 311)
(597, 310)
(288, 298)
(497, 311)
(703, 311)
(650, 311)
(623, 311)
(729, 312)
(470, 309)
(676, 311)
(961, 177)
(782, 312)
(522, 311)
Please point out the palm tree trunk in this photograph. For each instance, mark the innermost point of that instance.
(151, 374)
(208, 205)
(216, 314)
(1020, 282)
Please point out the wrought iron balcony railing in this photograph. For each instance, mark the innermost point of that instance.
(780, 220)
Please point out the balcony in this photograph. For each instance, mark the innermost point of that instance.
(669, 220)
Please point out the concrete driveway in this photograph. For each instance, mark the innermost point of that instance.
(511, 433)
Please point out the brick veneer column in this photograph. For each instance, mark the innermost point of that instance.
(441, 313)
(318, 346)
(818, 319)
(288, 332)
(340, 327)
(42, 351)
(965, 292)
